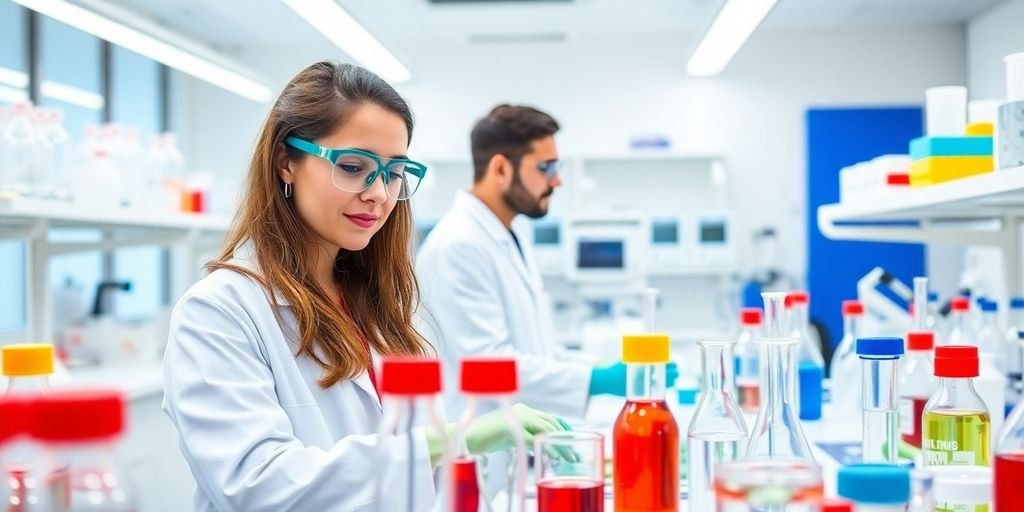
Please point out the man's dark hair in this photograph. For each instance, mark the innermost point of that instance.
(508, 130)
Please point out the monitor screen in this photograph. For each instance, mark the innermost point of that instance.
(546, 234)
(665, 232)
(600, 254)
(712, 232)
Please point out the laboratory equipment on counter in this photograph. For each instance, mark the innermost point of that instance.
(488, 379)
(885, 300)
(717, 430)
(768, 486)
(1009, 463)
(990, 336)
(80, 430)
(570, 471)
(810, 363)
(919, 308)
(777, 433)
(845, 369)
(879, 368)
(668, 252)
(946, 110)
(916, 384)
(28, 367)
(645, 436)
(991, 387)
(409, 390)
(548, 250)
(713, 247)
(747, 377)
(875, 487)
(960, 329)
(606, 253)
(956, 427)
(921, 496)
(1012, 350)
(965, 489)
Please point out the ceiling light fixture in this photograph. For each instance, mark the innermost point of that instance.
(735, 22)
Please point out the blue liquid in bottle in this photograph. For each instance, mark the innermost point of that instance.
(810, 377)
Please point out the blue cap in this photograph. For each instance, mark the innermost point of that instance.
(979, 300)
(892, 347)
(875, 483)
(1017, 303)
(934, 297)
(989, 306)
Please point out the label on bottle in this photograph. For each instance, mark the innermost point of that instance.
(960, 507)
(908, 424)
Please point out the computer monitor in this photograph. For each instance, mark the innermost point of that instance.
(607, 249)
(713, 231)
(664, 231)
(604, 254)
(546, 233)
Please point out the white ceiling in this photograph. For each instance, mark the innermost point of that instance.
(232, 23)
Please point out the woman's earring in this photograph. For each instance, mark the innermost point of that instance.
(287, 190)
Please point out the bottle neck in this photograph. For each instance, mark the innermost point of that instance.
(32, 384)
(717, 364)
(851, 326)
(774, 314)
(958, 390)
(645, 381)
(778, 377)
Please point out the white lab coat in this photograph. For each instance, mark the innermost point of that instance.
(258, 432)
(479, 297)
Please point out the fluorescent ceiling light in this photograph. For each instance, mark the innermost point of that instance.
(18, 82)
(12, 95)
(13, 78)
(732, 27)
(337, 25)
(148, 46)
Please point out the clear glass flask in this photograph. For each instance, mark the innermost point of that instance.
(956, 429)
(777, 433)
(880, 419)
(410, 389)
(717, 430)
(645, 438)
(768, 486)
(747, 379)
(875, 487)
(810, 363)
(961, 332)
(916, 384)
(845, 369)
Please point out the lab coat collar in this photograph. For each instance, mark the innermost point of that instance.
(497, 231)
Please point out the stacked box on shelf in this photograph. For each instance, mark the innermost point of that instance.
(941, 159)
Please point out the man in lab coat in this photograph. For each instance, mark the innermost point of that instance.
(481, 290)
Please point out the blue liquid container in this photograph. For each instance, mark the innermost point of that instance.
(810, 377)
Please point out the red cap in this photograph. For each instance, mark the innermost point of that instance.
(489, 375)
(77, 416)
(750, 316)
(410, 376)
(957, 361)
(836, 505)
(960, 304)
(920, 340)
(852, 307)
(797, 298)
(12, 417)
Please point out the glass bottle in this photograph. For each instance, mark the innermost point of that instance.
(28, 368)
(717, 428)
(1012, 350)
(747, 385)
(777, 433)
(916, 384)
(645, 434)
(960, 329)
(956, 425)
(1009, 462)
(810, 363)
(990, 336)
(879, 367)
(845, 364)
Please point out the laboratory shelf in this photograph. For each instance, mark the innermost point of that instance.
(987, 209)
(136, 381)
(24, 211)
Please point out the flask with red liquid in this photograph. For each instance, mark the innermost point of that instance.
(645, 435)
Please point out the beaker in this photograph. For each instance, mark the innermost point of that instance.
(570, 471)
(879, 364)
(717, 429)
(768, 486)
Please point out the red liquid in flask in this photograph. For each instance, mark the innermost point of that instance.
(570, 495)
(467, 491)
(918, 410)
(1009, 473)
(646, 458)
(749, 395)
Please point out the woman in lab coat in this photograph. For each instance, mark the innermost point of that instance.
(268, 374)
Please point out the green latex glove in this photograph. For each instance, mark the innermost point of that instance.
(489, 432)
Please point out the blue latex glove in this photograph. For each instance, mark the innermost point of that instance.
(611, 379)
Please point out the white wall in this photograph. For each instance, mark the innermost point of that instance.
(990, 37)
(605, 91)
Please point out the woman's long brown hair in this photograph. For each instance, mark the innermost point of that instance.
(377, 283)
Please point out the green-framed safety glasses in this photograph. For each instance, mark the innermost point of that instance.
(355, 170)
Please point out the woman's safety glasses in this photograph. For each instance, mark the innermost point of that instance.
(355, 170)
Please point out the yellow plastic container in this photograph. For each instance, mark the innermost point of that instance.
(651, 348)
(940, 169)
(27, 360)
(980, 130)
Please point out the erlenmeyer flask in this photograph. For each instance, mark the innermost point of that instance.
(777, 433)
(717, 428)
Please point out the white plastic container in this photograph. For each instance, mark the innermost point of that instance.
(946, 110)
(1014, 76)
(982, 111)
(962, 487)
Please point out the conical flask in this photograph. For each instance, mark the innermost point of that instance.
(717, 430)
(777, 433)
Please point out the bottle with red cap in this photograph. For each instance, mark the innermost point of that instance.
(810, 363)
(489, 384)
(956, 426)
(961, 330)
(916, 384)
(410, 389)
(845, 368)
(79, 430)
(747, 383)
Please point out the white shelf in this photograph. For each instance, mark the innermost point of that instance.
(136, 381)
(68, 214)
